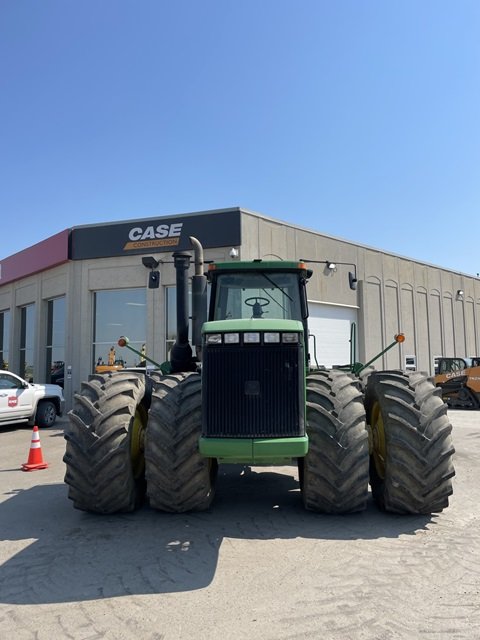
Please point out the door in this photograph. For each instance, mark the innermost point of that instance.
(329, 328)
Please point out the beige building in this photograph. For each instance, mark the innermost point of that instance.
(65, 301)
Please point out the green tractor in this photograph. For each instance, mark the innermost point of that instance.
(249, 395)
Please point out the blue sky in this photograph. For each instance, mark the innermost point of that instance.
(359, 119)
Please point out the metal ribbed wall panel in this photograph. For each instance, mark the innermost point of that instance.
(253, 391)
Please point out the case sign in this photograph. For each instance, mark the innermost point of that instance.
(215, 229)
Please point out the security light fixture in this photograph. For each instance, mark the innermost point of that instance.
(460, 294)
(332, 267)
(154, 279)
(149, 262)
(233, 253)
(154, 276)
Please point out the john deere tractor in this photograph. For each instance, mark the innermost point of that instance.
(249, 395)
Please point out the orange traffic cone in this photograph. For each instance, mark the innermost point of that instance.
(35, 457)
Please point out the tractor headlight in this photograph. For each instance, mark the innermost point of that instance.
(270, 337)
(290, 337)
(252, 337)
(213, 338)
(231, 338)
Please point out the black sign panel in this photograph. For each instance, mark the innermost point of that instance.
(157, 235)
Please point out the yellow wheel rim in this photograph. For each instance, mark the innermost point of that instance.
(378, 445)
(137, 442)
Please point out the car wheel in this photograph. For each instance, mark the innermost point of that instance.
(46, 414)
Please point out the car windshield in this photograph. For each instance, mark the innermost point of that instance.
(257, 295)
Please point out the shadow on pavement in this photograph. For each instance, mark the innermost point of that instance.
(67, 555)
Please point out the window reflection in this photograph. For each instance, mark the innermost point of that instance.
(55, 348)
(4, 338)
(121, 312)
(27, 337)
(171, 320)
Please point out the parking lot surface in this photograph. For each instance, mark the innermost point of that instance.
(256, 566)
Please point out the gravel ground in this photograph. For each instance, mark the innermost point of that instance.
(256, 566)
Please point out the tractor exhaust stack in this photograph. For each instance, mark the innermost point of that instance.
(199, 296)
(181, 353)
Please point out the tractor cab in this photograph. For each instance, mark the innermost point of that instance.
(258, 290)
(247, 292)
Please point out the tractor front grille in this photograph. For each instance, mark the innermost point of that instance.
(254, 391)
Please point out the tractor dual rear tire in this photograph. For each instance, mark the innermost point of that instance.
(178, 478)
(334, 473)
(104, 450)
(411, 464)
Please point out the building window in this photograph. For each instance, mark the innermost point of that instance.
(55, 350)
(171, 320)
(27, 341)
(4, 338)
(121, 312)
(410, 363)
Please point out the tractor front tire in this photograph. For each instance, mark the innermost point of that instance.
(178, 478)
(411, 463)
(334, 473)
(104, 450)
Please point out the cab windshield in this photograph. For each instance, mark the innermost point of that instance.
(257, 295)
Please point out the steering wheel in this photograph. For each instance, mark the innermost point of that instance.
(257, 303)
(251, 302)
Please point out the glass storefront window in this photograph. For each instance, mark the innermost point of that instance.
(121, 312)
(4, 338)
(171, 320)
(55, 348)
(27, 341)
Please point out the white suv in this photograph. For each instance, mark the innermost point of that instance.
(22, 401)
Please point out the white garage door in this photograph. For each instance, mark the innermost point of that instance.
(330, 325)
